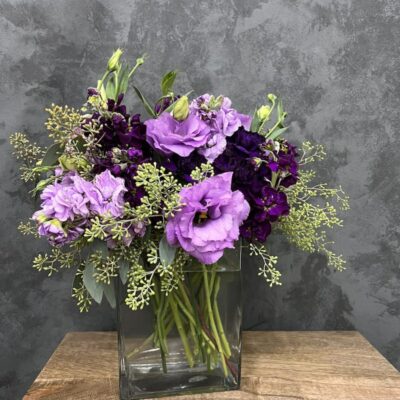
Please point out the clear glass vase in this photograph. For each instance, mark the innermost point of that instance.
(188, 341)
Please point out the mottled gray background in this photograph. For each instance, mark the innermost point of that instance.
(336, 64)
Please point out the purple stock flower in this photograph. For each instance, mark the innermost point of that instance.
(209, 220)
(169, 136)
(119, 130)
(67, 205)
(64, 200)
(222, 119)
(253, 178)
(105, 194)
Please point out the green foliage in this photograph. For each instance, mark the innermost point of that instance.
(62, 121)
(104, 269)
(203, 172)
(268, 268)
(30, 154)
(140, 285)
(28, 228)
(311, 152)
(167, 82)
(80, 293)
(162, 193)
(313, 208)
(262, 121)
(24, 149)
(57, 259)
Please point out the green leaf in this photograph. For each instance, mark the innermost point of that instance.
(276, 133)
(52, 154)
(109, 292)
(123, 81)
(166, 252)
(146, 104)
(97, 246)
(110, 88)
(167, 82)
(123, 270)
(255, 122)
(94, 288)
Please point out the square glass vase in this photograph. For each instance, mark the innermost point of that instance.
(187, 341)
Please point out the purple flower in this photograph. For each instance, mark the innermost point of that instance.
(105, 194)
(64, 201)
(209, 220)
(253, 178)
(222, 119)
(54, 231)
(67, 205)
(169, 136)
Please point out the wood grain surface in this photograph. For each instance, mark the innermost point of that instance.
(276, 365)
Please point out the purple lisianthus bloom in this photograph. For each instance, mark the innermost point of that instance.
(169, 136)
(222, 119)
(209, 220)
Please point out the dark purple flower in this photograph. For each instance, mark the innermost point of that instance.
(121, 131)
(253, 162)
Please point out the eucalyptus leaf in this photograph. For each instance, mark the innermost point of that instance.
(166, 252)
(146, 104)
(52, 154)
(167, 82)
(123, 270)
(97, 246)
(94, 288)
(109, 292)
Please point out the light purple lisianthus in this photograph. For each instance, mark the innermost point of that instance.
(168, 136)
(222, 119)
(210, 219)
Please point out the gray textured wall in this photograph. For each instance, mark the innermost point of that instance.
(336, 64)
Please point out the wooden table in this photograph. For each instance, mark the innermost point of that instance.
(276, 365)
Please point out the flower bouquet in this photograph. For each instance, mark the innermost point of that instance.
(153, 215)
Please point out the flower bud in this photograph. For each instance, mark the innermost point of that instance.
(113, 62)
(67, 163)
(181, 109)
(263, 113)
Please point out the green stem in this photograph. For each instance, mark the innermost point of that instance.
(181, 329)
(102, 80)
(220, 327)
(212, 321)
